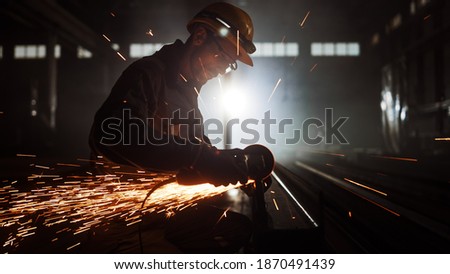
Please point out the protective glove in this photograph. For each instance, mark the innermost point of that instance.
(218, 167)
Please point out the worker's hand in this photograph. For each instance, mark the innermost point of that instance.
(218, 167)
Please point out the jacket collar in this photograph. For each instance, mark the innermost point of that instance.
(171, 55)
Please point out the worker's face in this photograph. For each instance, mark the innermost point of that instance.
(210, 59)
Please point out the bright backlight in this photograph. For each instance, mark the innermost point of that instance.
(234, 102)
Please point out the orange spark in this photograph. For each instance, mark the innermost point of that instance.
(329, 153)
(398, 158)
(203, 68)
(370, 201)
(71, 165)
(275, 88)
(182, 77)
(200, 99)
(106, 37)
(304, 19)
(25, 155)
(121, 56)
(293, 60)
(224, 215)
(42, 167)
(93, 203)
(364, 186)
(275, 203)
(237, 42)
(70, 247)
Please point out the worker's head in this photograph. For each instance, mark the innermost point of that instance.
(223, 34)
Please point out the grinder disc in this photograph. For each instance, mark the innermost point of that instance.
(260, 161)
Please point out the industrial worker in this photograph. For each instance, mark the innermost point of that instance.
(151, 121)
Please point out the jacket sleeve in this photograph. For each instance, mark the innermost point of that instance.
(124, 132)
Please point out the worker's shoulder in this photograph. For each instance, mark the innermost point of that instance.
(150, 64)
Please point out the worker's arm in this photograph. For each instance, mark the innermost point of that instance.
(123, 130)
(122, 134)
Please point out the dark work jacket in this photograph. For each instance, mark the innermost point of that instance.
(151, 118)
